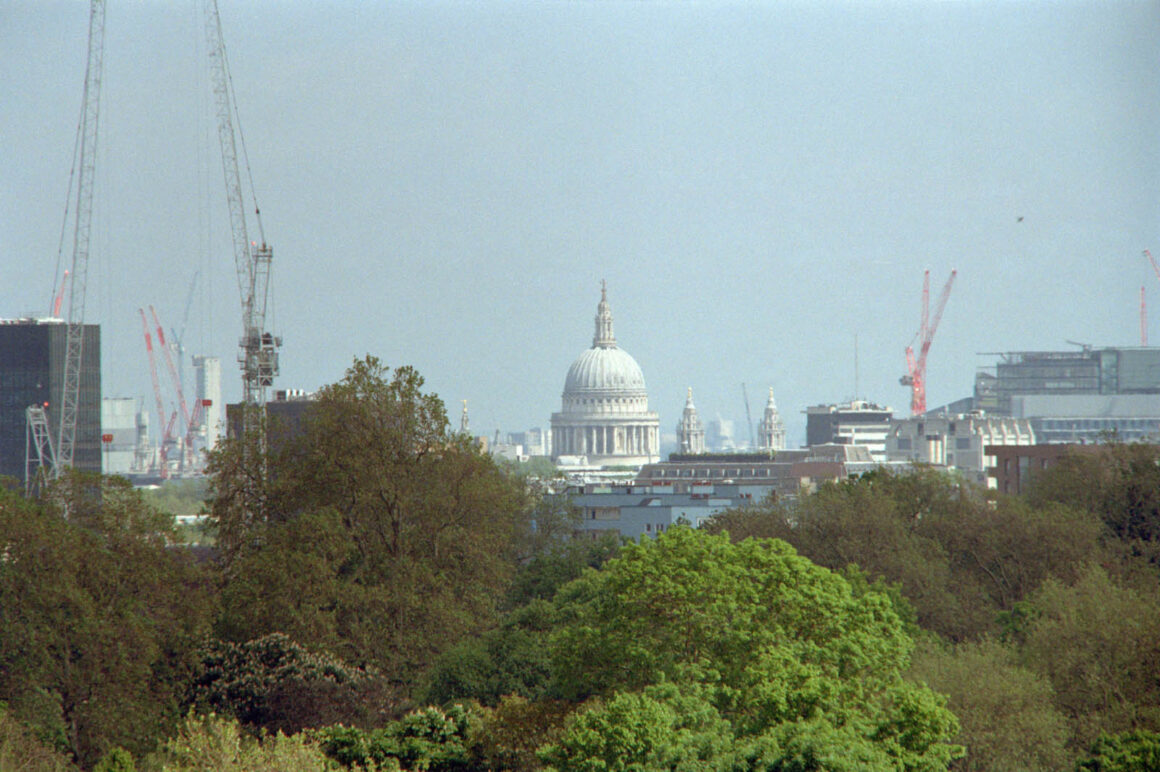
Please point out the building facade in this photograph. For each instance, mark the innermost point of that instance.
(788, 473)
(604, 417)
(1016, 466)
(956, 441)
(208, 379)
(644, 509)
(853, 423)
(32, 373)
(125, 435)
(1078, 396)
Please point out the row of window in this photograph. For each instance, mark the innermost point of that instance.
(734, 473)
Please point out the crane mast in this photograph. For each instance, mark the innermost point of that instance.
(86, 164)
(258, 354)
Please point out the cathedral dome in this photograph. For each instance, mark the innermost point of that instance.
(604, 416)
(603, 370)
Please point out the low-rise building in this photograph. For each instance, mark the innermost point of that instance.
(637, 510)
(956, 441)
(1015, 466)
(787, 472)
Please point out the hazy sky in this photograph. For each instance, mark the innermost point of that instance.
(761, 184)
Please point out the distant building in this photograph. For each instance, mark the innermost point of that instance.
(1077, 396)
(1015, 466)
(125, 426)
(789, 473)
(690, 432)
(1088, 370)
(604, 415)
(285, 414)
(956, 441)
(643, 509)
(719, 436)
(534, 441)
(32, 373)
(852, 423)
(208, 378)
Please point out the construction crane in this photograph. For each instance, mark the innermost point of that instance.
(59, 456)
(748, 416)
(258, 355)
(59, 297)
(179, 337)
(181, 403)
(915, 376)
(1143, 319)
(165, 437)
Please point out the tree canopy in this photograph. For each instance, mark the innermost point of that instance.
(404, 530)
(777, 646)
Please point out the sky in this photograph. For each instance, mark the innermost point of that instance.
(445, 185)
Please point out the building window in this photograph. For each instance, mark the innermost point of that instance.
(648, 527)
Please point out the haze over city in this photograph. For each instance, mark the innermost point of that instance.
(445, 185)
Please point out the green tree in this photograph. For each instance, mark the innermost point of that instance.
(1098, 643)
(511, 734)
(20, 750)
(512, 659)
(98, 617)
(1006, 712)
(773, 639)
(960, 558)
(205, 742)
(1136, 751)
(430, 739)
(417, 530)
(273, 684)
(658, 728)
(1119, 482)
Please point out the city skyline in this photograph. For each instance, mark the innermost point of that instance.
(762, 186)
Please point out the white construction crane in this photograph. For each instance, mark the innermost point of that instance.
(58, 458)
(258, 353)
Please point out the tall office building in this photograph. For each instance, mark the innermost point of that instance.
(1077, 396)
(207, 373)
(853, 423)
(32, 373)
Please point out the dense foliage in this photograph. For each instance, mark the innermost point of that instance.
(382, 595)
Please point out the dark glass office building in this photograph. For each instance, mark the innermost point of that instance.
(32, 373)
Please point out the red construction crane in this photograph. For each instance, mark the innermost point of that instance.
(171, 367)
(915, 376)
(1152, 260)
(1143, 319)
(157, 393)
(59, 297)
(1156, 268)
